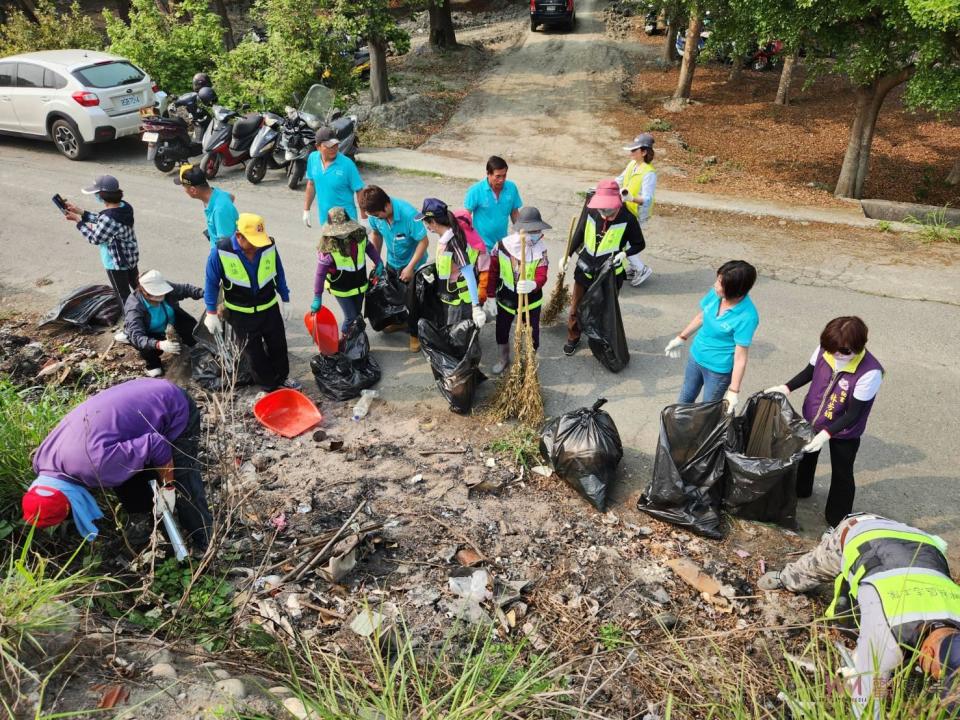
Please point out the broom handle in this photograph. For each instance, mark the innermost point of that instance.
(523, 275)
(573, 223)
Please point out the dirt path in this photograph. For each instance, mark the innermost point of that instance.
(543, 104)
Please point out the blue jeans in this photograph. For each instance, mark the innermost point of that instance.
(696, 376)
(351, 307)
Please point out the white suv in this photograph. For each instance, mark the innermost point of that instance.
(73, 97)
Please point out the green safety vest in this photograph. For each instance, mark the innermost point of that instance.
(507, 297)
(238, 292)
(633, 181)
(609, 245)
(908, 570)
(459, 293)
(351, 277)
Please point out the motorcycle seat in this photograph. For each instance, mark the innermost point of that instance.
(246, 126)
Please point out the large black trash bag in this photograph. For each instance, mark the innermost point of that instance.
(600, 320)
(385, 303)
(584, 448)
(762, 485)
(87, 305)
(218, 364)
(343, 375)
(454, 355)
(688, 469)
(423, 299)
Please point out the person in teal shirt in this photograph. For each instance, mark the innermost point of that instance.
(393, 225)
(726, 322)
(332, 178)
(218, 208)
(494, 203)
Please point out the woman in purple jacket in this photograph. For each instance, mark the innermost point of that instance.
(844, 379)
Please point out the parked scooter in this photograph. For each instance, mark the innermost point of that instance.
(766, 56)
(227, 139)
(265, 149)
(316, 111)
(174, 134)
(296, 143)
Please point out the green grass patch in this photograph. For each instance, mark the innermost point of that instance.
(884, 226)
(934, 227)
(521, 445)
(658, 125)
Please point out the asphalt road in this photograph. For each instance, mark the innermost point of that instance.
(908, 462)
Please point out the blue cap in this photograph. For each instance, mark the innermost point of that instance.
(432, 208)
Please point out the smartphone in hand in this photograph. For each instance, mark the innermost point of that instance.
(60, 203)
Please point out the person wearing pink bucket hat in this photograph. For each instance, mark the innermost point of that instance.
(609, 229)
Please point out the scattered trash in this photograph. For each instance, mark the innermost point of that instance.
(87, 305)
(111, 696)
(601, 322)
(490, 462)
(468, 557)
(267, 582)
(584, 448)
(471, 590)
(319, 436)
(690, 573)
(805, 665)
(418, 478)
(454, 355)
(542, 470)
(279, 522)
(344, 375)
(304, 507)
(743, 554)
(362, 407)
(385, 302)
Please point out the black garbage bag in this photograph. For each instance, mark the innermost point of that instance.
(600, 320)
(764, 448)
(584, 448)
(385, 303)
(454, 355)
(87, 305)
(343, 375)
(688, 468)
(218, 364)
(423, 299)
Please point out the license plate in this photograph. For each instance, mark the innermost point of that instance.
(150, 137)
(129, 101)
(553, 8)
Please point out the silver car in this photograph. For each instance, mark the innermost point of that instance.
(73, 97)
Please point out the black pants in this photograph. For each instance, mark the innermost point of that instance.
(843, 454)
(183, 323)
(264, 341)
(123, 283)
(193, 513)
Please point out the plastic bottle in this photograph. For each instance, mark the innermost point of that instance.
(362, 407)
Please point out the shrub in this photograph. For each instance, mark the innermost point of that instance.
(53, 30)
(171, 48)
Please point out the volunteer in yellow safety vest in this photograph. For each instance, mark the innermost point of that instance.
(248, 267)
(895, 580)
(610, 230)
(638, 183)
(342, 264)
(458, 256)
(505, 284)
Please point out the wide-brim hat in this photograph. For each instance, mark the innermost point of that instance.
(339, 224)
(606, 197)
(529, 220)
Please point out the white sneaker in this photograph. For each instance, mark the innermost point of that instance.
(641, 277)
(500, 365)
(154, 372)
(121, 337)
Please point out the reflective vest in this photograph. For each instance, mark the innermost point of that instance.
(908, 570)
(457, 293)
(350, 277)
(238, 294)
(608, 245)
(507, 297)
(633, 181)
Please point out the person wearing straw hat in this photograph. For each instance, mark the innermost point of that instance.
(638, 183)
(120, 439)
(342, 264)
(249, 269)
(609, 231)
(151, 311)
(505, 285)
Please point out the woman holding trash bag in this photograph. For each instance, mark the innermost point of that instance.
(342, 264)
(726, 322)
(844, 380)
(610, 230)
(504, 284)
(460, 252)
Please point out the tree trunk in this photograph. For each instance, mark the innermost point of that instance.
(786, 78)
(954, 177)
(221, 8)
(379, 90)
(670, 47)
(690, 52)
(28, 8)
(736, 71)
(856, 160)
(123, 10)
(162, 6)
(442, 34)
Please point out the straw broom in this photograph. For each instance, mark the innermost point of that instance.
(561, 294)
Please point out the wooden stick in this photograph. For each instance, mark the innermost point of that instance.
(298, 572)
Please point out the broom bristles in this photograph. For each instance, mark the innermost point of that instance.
(558, 301)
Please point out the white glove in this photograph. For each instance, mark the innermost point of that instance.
(819, 440)
(306, 218)
(213, 324)
(525, 287)
(490, 307)
(619, 258)
(286, 311)
(165, 499)
(731, 399)
(479, 317)
(672, 350)
(782, 389)
(770, 581)
(564, 261)
(627, 197)
(169, 346)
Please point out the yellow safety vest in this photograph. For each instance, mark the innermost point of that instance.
(608, 245)
(350, 277)
(507, 297)
(633, 181)
(459, 293)
(237, 286)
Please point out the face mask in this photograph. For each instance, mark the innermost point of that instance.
(99, 199)
(842, 360)
(534, 237)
